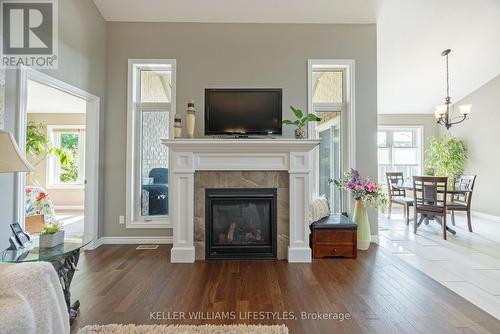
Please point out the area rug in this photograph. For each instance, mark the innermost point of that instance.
(183, 329)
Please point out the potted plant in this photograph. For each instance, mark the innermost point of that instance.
(364, 191)
(51, 235)
(445, 156)
(300, 122)
(39, 148)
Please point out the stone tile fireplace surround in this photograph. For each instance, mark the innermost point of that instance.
(240, 179)
(198, 164)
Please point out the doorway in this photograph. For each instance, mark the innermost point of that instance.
(58, 126)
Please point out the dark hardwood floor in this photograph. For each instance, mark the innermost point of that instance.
(119, 284)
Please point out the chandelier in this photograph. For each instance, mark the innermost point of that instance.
(444, 113)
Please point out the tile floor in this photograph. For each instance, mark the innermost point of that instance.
(467, 263)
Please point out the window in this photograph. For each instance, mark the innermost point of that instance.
(329, 103)
(150, 118)
(69, 141)
(399, 150)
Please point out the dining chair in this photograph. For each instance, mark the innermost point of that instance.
(430, 200)
(462, 201)
(398, 195)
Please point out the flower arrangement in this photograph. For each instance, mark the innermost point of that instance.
(365, 189)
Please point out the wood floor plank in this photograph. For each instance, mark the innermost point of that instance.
(380, 293)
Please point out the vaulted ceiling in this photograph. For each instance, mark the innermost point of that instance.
(411, 35)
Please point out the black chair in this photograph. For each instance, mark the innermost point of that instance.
(430, 200)
(398, 195)
(158, 192)
(462, 201)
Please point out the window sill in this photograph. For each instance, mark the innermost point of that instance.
(66, 186)
(156, 223)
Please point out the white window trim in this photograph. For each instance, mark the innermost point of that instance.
(133, 143)
(421, 140)
(53, 167)
(348, 119)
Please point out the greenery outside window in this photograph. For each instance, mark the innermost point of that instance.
(71, 139)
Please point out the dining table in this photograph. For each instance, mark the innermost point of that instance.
(453, 190)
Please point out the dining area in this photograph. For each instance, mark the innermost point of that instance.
(433, 199)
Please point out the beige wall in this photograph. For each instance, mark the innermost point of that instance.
(59, 197)
(232, 55)
(482, 136)
(82, 47)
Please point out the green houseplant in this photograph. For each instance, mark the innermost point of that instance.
(301, 122)
(445, 156)
(51, 235)
(39, 147)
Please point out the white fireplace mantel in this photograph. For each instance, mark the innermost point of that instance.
(206, 154)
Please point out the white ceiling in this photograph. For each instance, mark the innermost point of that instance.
(411, 35)
(44, 99)
(249, 11)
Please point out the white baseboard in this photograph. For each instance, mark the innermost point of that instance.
(133, 240)
(299, 255)
(486, 216)
(182, 255)
(69, 207)
(375, 239)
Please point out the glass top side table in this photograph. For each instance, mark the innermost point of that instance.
(64, 258)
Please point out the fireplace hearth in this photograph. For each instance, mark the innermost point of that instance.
(241, 223)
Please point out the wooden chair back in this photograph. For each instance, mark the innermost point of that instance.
(430, 193)
(463, 182)
(394, 178)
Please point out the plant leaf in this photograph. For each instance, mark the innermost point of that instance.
(298, 113)
(312, 118)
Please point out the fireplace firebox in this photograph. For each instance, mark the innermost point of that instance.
(241, 223)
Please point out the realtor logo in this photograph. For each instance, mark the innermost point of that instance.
(29, 33)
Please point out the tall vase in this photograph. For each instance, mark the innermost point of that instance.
(360, 217)
(190, 119)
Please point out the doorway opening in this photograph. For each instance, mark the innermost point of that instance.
(55, 146)
(58, 125)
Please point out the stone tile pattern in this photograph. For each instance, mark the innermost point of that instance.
(154, 154)
(241, 179)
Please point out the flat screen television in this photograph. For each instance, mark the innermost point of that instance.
(236, 111)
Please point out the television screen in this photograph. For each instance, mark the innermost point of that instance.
(243, 111)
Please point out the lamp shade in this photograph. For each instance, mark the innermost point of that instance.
(11, 158)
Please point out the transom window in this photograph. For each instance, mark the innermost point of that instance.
(150, 118)
(399, 150)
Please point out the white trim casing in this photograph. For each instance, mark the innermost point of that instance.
(348, 126)
(133, 140)
(91, 145)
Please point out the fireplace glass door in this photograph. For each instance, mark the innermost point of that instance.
(241, 223)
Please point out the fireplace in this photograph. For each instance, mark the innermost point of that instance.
(241, 223)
